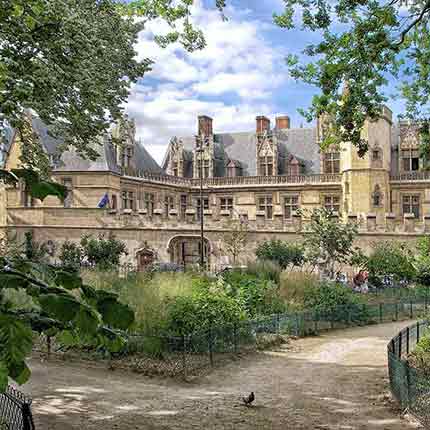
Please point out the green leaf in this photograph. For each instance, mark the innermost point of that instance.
(20, 373)
(61, 307)
(87, 321)
(3, 376)
(68, 280)
(8, 280)
(66, 338)
(115, 314)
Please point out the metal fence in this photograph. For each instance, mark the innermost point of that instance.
(183, 355)
(15, 410)
(410, 386)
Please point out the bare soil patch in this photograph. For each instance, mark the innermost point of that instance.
(334, 381)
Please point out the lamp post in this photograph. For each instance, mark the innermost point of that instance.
(200, 150)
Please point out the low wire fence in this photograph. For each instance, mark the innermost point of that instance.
(409, 385)
(15, 410)
(188, 354)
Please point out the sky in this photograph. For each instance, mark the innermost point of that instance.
(240, 74)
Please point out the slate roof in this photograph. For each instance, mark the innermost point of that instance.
(71, 161)
(241, 147)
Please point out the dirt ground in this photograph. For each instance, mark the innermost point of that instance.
(334, 381)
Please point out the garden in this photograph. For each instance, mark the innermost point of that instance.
(175, 322)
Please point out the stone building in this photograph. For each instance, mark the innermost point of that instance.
(263, 176)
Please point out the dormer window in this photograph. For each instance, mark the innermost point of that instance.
(332, 162)
(175, 168)
(410, 160)
(126, 156)
(266, 165)
(293, 167)
(233, 169)
(203, 168)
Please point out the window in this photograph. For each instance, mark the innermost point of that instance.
(266, 166)
(175, 168)
(26, 199)
(169, 204)
(68, 201)
(265, 204)
(126, 156)
(149, 203)
(206, 168)
(205, 206)
(332, 162)
(332, 203)
(127, 199)
(291, 204)
(377, 197)
(411, 205)
(226, 204)
(184, 205)
(114, 203)
(376, 155)
(410, 160)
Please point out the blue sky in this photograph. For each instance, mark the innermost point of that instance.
(239, 75)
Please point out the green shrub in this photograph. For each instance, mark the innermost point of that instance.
(71, 255)
(420, 357)
(390, 259)
(103, 252)
(201, 311)
(283, 253)
(256, 295)
(336, 302)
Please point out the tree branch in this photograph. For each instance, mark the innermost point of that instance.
(417, 20)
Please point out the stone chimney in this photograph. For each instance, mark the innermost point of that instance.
(263, 124)
(282, 122)
(205, 126)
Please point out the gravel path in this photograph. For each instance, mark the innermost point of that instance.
(334, 381)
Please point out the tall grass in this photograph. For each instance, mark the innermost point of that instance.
(293, 287)
(147, 295)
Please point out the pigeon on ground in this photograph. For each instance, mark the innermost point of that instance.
(248, 400)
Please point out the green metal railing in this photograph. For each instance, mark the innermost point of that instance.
(410, 386)
(197, 350)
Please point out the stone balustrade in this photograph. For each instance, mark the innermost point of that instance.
(242, 180)
(92, 218)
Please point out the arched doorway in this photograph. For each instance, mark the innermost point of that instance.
(185, 250)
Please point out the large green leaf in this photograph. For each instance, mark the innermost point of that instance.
(68, 280)
(115, 314)
(20, 373)
(61, 307)
(87, 321)
(3, 376)
(9, 280)
(16, 340)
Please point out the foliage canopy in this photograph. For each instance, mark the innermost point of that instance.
(364, 43)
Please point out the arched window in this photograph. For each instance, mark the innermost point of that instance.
(377, 197)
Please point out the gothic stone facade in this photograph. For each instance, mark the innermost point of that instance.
(264, 176)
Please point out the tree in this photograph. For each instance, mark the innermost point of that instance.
(236, 238)
(72, 62)
(364, 43)
(64, 307)
(422, 261)
(71, 255)
(328, 241)
(101, 252)
(283, 253)
(390, 259)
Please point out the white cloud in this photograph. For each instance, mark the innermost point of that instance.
(232, 79)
